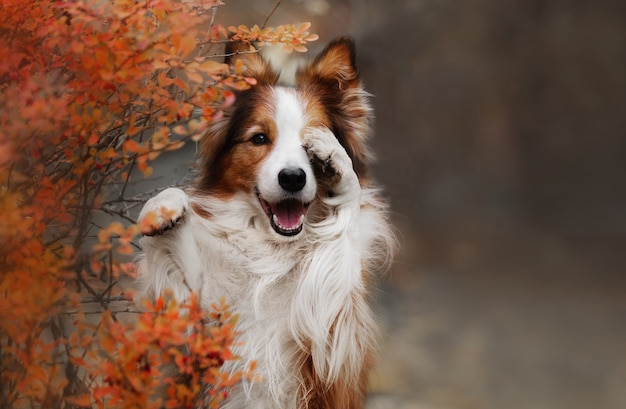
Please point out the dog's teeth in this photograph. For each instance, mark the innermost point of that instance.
(288, 229)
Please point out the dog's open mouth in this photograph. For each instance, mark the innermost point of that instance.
(286, 216)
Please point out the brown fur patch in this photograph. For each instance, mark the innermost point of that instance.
(229, 159)
(342, 394)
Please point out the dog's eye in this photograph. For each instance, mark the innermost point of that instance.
(260, 139)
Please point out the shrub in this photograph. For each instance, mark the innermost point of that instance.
(90, 93)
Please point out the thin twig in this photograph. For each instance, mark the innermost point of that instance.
(128, 310)
(271, 13)
(89, 300)
(213, 13)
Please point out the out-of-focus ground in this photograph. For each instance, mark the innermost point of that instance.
(501, 142)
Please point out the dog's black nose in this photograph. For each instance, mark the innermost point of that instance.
(292, 179)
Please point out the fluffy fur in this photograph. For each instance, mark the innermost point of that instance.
(284, 222)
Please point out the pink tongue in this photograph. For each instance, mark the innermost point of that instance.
(288, 213)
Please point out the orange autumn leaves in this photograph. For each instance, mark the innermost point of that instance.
(291, 36)
(131, 363)
(90, 93)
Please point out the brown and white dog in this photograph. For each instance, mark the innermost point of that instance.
(284, 222)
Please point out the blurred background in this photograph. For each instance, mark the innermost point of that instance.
(500, 134)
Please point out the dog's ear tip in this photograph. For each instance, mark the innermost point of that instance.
(344, 46)
(234, 50)
(337, 62)
(255, 65)
(347, 41)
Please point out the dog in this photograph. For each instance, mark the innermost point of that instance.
(284, 221)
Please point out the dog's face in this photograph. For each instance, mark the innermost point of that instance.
(258, 148)
(285, 181)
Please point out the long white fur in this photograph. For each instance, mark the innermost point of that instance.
(304, 292)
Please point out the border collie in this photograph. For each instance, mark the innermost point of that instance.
(284, 222)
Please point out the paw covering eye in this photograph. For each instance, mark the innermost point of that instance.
(260, 139)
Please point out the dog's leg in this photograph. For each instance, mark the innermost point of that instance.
(163, 212)
(170, 264)
(170, 259)
(331, 310)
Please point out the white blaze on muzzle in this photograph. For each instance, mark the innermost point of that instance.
(286, 183)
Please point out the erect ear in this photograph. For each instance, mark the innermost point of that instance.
(332, 77)
(254, 65)
(336, 63)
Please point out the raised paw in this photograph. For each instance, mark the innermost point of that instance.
(330, 160)
(163, 212)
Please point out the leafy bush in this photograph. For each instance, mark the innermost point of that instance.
(90, 93)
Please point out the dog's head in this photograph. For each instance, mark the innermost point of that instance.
(257, 148)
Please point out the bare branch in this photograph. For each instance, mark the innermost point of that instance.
(271, 13)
